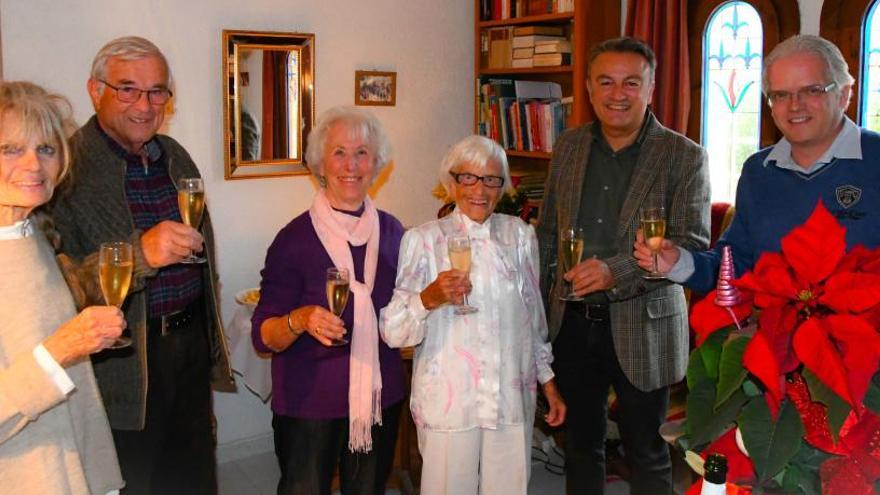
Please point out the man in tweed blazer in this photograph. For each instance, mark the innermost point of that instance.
(629, 333)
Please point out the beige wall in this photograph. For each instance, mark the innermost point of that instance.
(428, 43)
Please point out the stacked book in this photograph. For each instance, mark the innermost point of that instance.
(531, 186)
(527, 39)
(521, 115)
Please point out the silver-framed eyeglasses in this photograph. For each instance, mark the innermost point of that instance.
(467, 179)
(131, 94)
(807, 92)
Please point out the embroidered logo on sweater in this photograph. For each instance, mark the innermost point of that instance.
(848, 195)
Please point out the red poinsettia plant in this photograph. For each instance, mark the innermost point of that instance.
(793, 400)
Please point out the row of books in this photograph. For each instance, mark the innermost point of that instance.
(494, 10)
(522, 115)
(531, 186)
(525, 46)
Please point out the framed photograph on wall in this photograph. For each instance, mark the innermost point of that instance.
(375, 88)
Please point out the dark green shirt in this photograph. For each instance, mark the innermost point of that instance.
(606, 182)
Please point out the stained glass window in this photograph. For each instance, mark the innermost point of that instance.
(870, 100)
(733, 47)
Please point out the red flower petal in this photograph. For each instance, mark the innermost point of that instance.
(777, 325)
(813, 345)
(859, 345)
(760, 360)
(772, 281)
(851, 292)
(816, 247)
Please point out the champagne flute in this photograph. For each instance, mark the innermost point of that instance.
(571, 249)
(653, 222)
(337, 296)
(460, 259)
(191, 201)
(115, 264)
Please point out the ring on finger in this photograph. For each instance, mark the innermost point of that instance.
(318, 330)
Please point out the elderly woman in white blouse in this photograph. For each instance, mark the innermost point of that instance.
(475, 374)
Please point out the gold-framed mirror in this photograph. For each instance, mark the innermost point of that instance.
(268, 102)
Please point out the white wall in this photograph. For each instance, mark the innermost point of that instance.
(429, 43)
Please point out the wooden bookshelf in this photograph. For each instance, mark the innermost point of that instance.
(591, 21)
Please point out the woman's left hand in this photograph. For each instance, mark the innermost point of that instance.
(556, 415)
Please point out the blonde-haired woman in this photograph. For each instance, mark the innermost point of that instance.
(54, 435)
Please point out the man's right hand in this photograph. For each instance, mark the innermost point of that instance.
(666, 258)
(170, 242)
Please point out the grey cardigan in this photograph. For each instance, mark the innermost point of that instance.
(93, 210)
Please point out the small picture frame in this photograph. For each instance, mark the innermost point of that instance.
(375, 88)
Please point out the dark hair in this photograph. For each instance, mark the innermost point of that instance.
(625, 44)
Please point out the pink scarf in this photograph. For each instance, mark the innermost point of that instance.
(336, 231)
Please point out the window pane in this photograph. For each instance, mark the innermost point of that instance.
(733, 47)
(870, 100)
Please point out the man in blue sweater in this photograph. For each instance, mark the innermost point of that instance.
(823, 156)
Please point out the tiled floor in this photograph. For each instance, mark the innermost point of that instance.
(258, 475)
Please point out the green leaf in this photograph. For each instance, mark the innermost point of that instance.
(751, 389)
(872, 397)
(705, 424)
(731, 371)
(838, 409)
(711, 351)
(770, 444)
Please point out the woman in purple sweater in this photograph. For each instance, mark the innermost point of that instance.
(333, 405)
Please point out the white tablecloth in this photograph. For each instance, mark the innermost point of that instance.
(254, 369)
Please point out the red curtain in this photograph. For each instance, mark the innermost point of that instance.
(663, 25)
(274, 139)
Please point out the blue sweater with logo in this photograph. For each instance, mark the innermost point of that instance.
(771, 201)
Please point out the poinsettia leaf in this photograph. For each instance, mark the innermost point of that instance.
(751, 389)
(731, 371)
(761, 362)
(772, 281)
(697, 370)
(812, 344)
(777, 326)
(704, 422)
(771, 444)
(859, 346)
(802, 472)
(851, 292)
(815, 247)
(837, 408)
(872, 396)
(707, 317)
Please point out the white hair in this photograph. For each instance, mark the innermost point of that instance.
(359, 123)
(478, 151)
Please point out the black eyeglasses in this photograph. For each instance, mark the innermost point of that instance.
(131, 94)
(466, 179)
(807, 92)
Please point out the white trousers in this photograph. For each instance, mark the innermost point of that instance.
(478, 461)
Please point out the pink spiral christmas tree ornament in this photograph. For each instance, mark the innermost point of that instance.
(726, 295)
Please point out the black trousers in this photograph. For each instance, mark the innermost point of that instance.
(174, 453)
(309, 451)
(586, 365)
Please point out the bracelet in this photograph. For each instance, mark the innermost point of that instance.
(290, 326)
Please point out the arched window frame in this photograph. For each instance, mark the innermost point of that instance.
(841, 23)
(781, 20)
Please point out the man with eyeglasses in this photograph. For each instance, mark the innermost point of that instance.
(628, 333)
(158, 392)
(823, 156)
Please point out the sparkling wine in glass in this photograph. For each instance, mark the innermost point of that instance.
(115, 265)
(653, 222)
(191, 201)
(460, 259)
(337, 295)
(571, 250)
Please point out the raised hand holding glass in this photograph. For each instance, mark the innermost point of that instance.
(115, 266)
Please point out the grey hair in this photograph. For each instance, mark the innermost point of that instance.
(836, 68)
(360, 123)
(126, 48)
(478, 151)
(41, 115)
(625, 44)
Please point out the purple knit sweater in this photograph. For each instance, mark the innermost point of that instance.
(308, 379)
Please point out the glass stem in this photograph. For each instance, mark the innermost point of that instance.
(654, 259)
